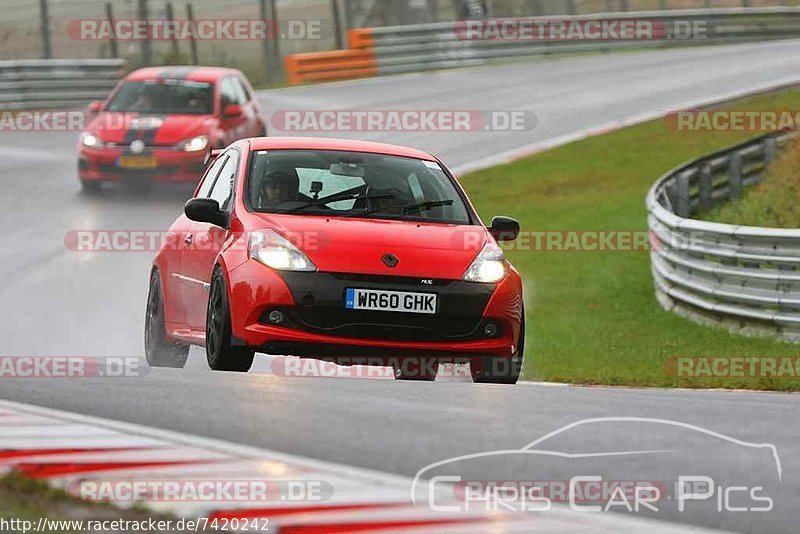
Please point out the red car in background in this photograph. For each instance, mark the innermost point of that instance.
(159, 123)
(348, 251)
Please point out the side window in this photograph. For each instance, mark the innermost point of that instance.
(231, 92)
(246, 95)
(227, 94)
(223, 188)
(211, 174)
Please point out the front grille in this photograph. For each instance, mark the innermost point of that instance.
(149, 146)
(320, 308)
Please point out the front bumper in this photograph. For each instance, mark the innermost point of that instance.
(101, 164)
(316, 324)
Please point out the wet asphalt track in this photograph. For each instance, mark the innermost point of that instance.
(59, 302)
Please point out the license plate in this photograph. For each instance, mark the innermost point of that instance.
(137, 162)
(396, 301)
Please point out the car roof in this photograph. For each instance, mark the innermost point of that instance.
(319, 143)
(194, 74)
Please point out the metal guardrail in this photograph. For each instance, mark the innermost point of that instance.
(420, 47)
(56, 83)
(742, 277)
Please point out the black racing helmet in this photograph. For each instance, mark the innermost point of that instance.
(280, 185)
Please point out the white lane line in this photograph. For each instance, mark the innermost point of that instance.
(57, 431)
(18, 420)
(381, 497)
(657, 388)
(546, 384)
(43, 442)
(120, 455)
(554, 142)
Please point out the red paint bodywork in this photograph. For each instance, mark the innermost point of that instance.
(348, 245)
(174, 165)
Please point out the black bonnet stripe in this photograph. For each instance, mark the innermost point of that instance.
(149, 136)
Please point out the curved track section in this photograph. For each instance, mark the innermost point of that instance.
(61, 302)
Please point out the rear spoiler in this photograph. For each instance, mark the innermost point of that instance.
(211, 155)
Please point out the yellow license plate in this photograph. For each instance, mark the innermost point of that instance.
(138, 162)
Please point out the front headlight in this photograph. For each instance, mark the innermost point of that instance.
(195, 144)
(91, 141)
(488, 267)
(273, 250)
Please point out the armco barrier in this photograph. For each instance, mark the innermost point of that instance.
(741, 277)
(56, 83)
(414, 48)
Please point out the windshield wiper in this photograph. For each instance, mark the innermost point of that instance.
(415, 208)
(344, 195)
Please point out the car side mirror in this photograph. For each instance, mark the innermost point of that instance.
(232, 110)
(95, 106)
(504, 229)
(205, 210)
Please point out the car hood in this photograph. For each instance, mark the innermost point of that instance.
(158, 130)
(349, 245)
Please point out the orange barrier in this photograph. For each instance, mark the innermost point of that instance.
(356, 62)
(327, 66)
(360, 38)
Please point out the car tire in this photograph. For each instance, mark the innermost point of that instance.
(419, 370)
(159, 350)
(493, 370)
(221, 354)
(91, 187)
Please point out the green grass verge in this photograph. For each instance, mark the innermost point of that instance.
(773, 203)
(592, 316)
(25, 499)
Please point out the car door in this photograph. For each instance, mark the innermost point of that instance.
(233, 127)
(170, 268)
(203, 243)
(184, 240)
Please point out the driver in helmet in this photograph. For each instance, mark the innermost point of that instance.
(279, 185)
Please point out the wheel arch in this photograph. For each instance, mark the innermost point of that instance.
(167, 299)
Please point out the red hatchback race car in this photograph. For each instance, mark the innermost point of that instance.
(346, 251)
(159, 122)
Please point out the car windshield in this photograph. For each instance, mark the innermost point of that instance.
(353, 184)
(164, 96)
